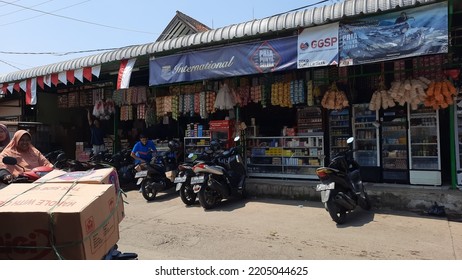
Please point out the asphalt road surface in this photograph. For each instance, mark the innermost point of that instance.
(272, 229)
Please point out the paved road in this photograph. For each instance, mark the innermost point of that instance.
(271, 229)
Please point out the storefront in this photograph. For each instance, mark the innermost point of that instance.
(298, 109)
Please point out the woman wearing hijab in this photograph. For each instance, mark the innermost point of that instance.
(4, 136)
(21, 148)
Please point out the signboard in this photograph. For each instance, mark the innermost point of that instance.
(237, 60)
(413, 32)
(318, 46)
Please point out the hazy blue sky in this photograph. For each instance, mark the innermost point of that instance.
(41, 26)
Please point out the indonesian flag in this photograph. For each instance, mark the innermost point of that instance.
(125, 72)
(31, 91)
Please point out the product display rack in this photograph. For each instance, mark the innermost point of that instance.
(424, 148)
(394, 145)
(195, 145)
(309, 120)
(367, 142)
(285, 157)
(339, 131)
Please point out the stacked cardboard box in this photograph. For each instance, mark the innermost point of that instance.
(72, 215)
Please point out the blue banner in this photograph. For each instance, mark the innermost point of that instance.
(237, 60)
(414, 32)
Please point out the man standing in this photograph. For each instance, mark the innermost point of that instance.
(97, 134)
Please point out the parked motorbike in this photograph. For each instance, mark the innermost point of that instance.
(342, 188)
(27, 176)
(225, 178)
(155, 176)
(185, 173)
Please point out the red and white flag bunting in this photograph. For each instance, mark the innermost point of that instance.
(125, 72)
(29, 86)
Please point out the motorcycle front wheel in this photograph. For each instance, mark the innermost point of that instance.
(337, 214)
(365, 202)
(208, 198)
(147, 190)
(187, 194)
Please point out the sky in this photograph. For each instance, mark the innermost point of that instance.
(40, 32)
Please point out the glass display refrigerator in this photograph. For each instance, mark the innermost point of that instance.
(339, 131)
(394, 124)
(458, 140)
(367, 142)
(424, 146)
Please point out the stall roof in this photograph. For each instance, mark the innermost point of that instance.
(282, 22)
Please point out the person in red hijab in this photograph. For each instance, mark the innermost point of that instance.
(21, 148)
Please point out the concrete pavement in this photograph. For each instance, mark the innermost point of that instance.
(389, 196)
(262, 228)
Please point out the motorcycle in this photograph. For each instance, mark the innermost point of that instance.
(341, 185)
(225, 178)
(156, 176)
(29, 176)
(185, 173)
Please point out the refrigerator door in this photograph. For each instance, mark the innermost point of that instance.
(366, 144)
(339, 131)
(395, 145)
(424, 147)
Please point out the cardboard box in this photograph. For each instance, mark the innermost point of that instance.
(58, 221)
(97, 176)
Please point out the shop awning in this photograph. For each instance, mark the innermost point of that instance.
(283, 22)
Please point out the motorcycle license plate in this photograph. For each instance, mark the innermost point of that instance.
(325, 196)
(197, 180)
(141, 174)
(323, 187)
(181, 179)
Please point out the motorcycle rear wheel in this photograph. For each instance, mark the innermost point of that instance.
(187, 195)
(208, 198)
(148, 192)
(337, 214)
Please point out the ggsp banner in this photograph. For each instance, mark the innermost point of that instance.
(318, 46)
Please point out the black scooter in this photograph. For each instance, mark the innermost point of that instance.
(342, 188)
(158, 175)
(224, 178)
(186, 172)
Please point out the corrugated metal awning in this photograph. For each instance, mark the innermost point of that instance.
(287, 21)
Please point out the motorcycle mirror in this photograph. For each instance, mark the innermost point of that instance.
(61, 157)
(350, 140)
(237, 138)
(10, 160)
